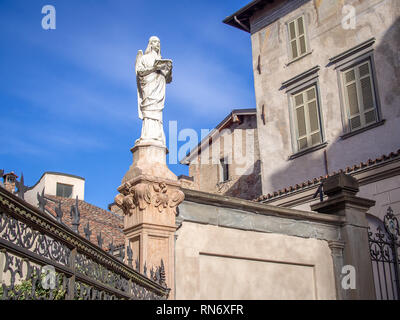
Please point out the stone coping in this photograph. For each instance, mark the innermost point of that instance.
(259, 208)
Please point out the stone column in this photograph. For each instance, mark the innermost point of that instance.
(149, 195)
(341, 190)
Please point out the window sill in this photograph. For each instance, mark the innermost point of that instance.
(308, 150)
(223, 182)
(371, 126)
(299, 58)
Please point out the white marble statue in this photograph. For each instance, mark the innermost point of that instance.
(152, 74)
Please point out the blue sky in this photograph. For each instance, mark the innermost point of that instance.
(68, 96)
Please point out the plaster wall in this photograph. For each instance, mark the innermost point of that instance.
(49, 183)
(327, 38)
(386, 193)
(214, 262)
(31, 195)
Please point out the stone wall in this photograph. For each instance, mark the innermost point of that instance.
(235, 249)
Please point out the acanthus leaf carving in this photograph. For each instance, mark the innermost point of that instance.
(140, 196)
(176, 198)
(126, 203)
(161, 197)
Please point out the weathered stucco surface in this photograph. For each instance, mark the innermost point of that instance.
(241, 250)
(327, 38)
(49, 181)
(239, 143)
(215, 262)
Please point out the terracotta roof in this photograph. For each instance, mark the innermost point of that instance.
(108, 223)
(316, 181)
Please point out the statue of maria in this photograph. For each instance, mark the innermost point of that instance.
(152, 74)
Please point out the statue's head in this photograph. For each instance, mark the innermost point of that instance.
(154, 45)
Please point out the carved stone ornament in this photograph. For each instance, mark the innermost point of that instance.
(145, 194)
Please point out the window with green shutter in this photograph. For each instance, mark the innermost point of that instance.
(297, 38)
(359, 96)
(307, 118)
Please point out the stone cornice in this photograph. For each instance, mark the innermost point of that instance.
(343, 201)
(258, 208)
(352, 51)
(300, 78)
(149, 179)
(149, 226)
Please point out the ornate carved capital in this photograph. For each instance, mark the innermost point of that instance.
(146, 194)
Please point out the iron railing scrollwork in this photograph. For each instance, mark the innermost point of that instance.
(384, 244)
(30, 242)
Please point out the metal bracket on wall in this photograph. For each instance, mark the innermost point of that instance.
(263, 114)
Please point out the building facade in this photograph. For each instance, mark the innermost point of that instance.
(227, 160)
(326, 77)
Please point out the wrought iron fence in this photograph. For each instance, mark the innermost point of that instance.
(31, 243)
(384, 244)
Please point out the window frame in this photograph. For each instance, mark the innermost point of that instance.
(307, 121)
(294, 123)
(293, 86)
(346, 60)
(354, 64)
(289, 40)
(223, 163)
(65, 184)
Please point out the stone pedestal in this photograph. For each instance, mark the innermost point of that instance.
(149, 195)
(341, 190)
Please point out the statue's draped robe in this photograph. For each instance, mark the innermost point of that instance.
(152, 96)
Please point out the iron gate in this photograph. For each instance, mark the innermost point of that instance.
(384, 243)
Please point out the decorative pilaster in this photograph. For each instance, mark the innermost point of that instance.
(337, 257)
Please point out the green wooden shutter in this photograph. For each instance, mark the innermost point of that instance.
(297, 37)
(292, 38)
(301, 35)
(307, 119)
(367, 93)
(360, 101)
(352, 99)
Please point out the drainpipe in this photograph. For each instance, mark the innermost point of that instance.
(241, 24)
